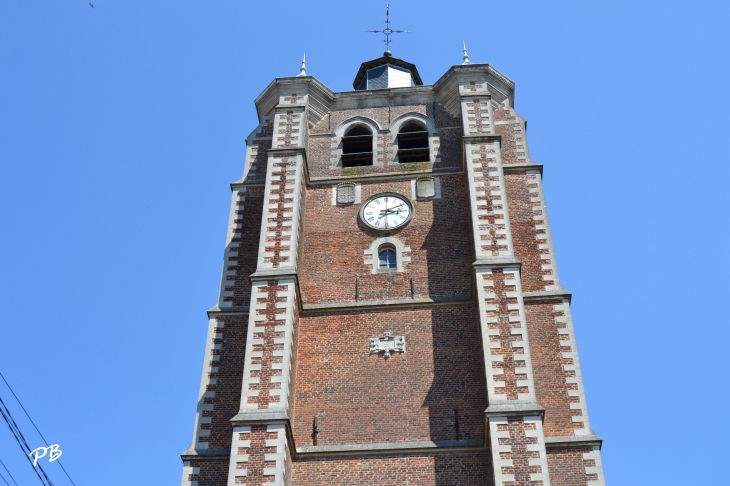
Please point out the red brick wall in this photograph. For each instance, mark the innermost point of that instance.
(212, 472)
(257, 157)
(439, 237)
(362, 398)
(227, 389)
(466, 468)
(524, 231)
(246, 240)
(547, 364)
(567, 466)
(513, 136)
(259, 160)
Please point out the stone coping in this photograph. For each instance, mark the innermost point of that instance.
(413, 447)
(227, 311)
(514, 407)
(546, 295)
(575, 441)
(389, 304)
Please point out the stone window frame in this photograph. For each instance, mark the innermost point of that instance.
(404, 120)
(344, 127)
(372, 255)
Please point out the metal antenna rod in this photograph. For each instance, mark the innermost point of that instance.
(388, 31)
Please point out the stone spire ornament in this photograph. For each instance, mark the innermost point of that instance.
(303, 69)
(466, 56)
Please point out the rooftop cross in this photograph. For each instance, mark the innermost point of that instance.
(388, 31)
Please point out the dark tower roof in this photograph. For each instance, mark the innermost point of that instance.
(384, 61)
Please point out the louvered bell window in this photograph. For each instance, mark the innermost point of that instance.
(413, 144)
(357, 147)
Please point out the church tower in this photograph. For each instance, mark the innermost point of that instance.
(390, 310)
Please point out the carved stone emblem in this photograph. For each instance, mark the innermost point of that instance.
(388, 344)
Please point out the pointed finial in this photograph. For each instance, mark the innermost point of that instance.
(466, 56)
(303, 69)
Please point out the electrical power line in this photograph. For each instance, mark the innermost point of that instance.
(5, 480)
(6, 470)
(5, 412)
(34, 425)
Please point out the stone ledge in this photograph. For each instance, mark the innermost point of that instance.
(298, 148)
(474, 94)
(375, 304)
(546, 295)
(573, 441)
(284, 106)
(499, 261)
(392, 447)
(251, 183)
(487, 136)
(205, 454)
(514, 407)
(274, 273)
(218, 311)
(244, 417)
(511, 168)
(384, 175)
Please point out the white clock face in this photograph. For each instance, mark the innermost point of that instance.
(386, 212)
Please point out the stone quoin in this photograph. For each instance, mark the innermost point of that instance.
(397, 214)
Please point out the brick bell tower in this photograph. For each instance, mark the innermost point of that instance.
(390, 310)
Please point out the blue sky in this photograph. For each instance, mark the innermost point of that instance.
(122, 125)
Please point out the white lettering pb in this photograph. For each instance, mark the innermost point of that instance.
(54, 450)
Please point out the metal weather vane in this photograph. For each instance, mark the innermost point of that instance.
(388, 31)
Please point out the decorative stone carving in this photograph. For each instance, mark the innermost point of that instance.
(425, 187)
(346, 193)
(388, 344)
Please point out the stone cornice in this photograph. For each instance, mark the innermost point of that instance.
(486, 137)
(498, 86)
(546, 295)
(516, 168)
(415, 447)
(384, 176)
(573, 441)
(246, 417)
(227, 311)
(287, 149)
(497, 262)
(274, 273)
(242, 184)
(385, 304)
(514, 407)
(320, 96)
(205, 455)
